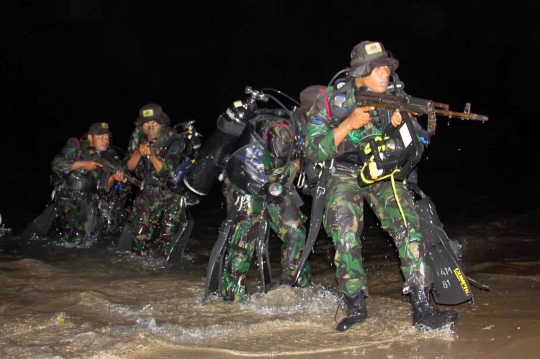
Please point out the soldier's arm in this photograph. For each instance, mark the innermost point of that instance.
(133, 156)
(64, 160)
(320, 144)
(357, 119)
(169, 165)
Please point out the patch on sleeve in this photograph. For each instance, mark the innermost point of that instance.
(316, 122)
(339, 100)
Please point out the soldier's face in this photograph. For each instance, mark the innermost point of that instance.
(377, 81)
(151, 130)
(100, 142)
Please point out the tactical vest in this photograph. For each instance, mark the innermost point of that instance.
(395, 152)
(145, 169)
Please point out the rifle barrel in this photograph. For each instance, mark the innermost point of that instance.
(414, 105)
(462, 115)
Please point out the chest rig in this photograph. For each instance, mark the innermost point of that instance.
(381, 151)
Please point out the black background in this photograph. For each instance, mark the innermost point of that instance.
(69, 63)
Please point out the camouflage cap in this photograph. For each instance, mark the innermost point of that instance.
(367, 56)
(99, 128)
(152, 112)
(307, 97)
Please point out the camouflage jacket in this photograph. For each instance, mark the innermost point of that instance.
(326, 114)
(61, 164)
(170, 152)
(279, 140)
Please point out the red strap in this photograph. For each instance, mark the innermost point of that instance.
(326, 103)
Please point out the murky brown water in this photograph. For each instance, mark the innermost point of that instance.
(60, 302)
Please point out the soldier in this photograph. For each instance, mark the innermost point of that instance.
(280, 155)
(337, 130)
(76, 177)
(154, 153)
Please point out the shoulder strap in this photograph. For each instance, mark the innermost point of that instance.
(336, 92)
(326, 102)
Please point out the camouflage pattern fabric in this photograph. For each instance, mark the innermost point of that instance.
(78, 210)
(320, 145)
(285, 219)
(343, 219)
(153, 204)
(157, 204)
(116, 201)
(169, 164)
(277, 136)
(78, 214)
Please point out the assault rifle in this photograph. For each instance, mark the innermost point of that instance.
(416, 106)
(114, 167)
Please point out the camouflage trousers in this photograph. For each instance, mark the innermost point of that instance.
(285, 219)
(343, 221)
(78, 214)
(156, 207)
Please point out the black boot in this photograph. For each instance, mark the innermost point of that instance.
(356, 312)
(425, 314)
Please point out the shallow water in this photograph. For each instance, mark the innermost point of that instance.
(58, 302)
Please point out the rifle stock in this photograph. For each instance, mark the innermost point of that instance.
(114, 167)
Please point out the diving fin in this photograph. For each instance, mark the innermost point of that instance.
(180, 241)
(215, 263)
(41, 225)
(125, 242)
(451, 285)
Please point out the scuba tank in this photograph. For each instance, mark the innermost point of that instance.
(212, 158)
(245, 166)
(192, 144)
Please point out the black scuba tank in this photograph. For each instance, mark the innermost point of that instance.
(204, 173)
(212, 158)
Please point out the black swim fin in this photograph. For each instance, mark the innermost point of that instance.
(41, 225)
(215, 263)
(125, 242)
(451, 285)
(181, 240)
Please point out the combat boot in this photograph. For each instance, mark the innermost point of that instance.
(426, 315)
(356, 312)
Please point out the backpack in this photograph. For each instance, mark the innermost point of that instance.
(56, 179)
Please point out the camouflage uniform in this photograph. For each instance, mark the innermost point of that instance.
(284, 217)
(157, 204)
(114, 202)
(343, 218)
(78, 208)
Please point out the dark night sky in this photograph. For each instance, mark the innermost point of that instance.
(66, 64)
